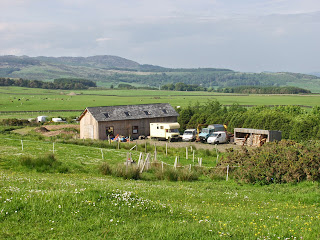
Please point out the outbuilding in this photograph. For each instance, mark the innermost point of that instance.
(255, 137)
(128, 120)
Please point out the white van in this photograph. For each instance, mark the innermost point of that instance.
(218, 137)
(165, 131)
(189, 135)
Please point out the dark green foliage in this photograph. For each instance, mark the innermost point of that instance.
(263, 90)
(63, 83)
(293, 121)
(15, 122)
(183, 87)
(74, 83)
(277, 162)
(105, 169)
(47, 163)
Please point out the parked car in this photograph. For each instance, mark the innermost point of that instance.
(206, 132)
(218, 137)
(189, 135)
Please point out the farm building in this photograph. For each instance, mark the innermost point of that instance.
(255, 137)
(129, 120)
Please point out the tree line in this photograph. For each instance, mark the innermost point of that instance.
(294, 122)
(62, 83)
(183, 87)
(263, 90)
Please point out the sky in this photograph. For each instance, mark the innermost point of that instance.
(242, 35)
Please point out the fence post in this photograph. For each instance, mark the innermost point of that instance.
(187, 153)
(166, 149)
(217, 155)
(22, 144)
(53, 147)
(193, 157)
(118, 142)
(175, 163)
(227, 178)
(145, 146)
(162, 166)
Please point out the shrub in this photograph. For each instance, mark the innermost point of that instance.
(130, 172)
(186, 175)
(105, 169)
(277, 162)
(171, 174)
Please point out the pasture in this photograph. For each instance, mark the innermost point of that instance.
(17, 99)
(76, 201)
(84, 204)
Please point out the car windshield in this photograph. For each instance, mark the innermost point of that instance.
(205, 130)
(187, 133)
(214, 135)
(173, 130)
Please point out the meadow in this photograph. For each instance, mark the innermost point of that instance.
(74, 200)
(26, 99)
(81, 203)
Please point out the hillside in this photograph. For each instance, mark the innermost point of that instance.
(107, 70)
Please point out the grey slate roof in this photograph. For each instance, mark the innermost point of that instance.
(129, 112)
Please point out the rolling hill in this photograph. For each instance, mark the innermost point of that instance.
(107, 70)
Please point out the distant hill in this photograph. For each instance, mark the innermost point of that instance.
(107, 70)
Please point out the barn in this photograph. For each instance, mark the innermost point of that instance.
(128, 120)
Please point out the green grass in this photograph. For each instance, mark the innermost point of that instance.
(44, 100)
(84, 204)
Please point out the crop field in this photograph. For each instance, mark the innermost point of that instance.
(81, 203)
(26, 99)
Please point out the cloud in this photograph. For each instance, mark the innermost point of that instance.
(103, 39)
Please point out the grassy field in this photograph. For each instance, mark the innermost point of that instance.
(84, 204)
(44, 100)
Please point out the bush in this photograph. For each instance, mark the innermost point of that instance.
(276, 162)
(130, 172)
(105, 169)
(186, 175)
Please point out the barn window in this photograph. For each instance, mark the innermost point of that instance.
(147, 112)
(164, 111)
(106, 115)
(135, 129)
(110, 131)
(127, 114)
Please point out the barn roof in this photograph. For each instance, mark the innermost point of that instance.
(129, 112)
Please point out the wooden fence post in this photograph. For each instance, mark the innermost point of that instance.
(187, 153)
(53, 147)
(102, 154)
(227, 178)
(145, 146)
(166, 149)
(193, 157)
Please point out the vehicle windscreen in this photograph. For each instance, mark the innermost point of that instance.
(205, 130)
(214, 135)
(187, 133)
(173, 130)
